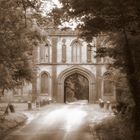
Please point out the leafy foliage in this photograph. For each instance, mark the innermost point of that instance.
(18, 36)
(118, 20)
(100, 16)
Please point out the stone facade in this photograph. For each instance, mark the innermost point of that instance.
(61, 57)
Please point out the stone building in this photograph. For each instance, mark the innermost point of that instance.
(66, 70)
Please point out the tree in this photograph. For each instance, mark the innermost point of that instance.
(110, 17)
(18, 36)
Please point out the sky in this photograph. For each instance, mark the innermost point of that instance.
(57, 2)
(49, 5)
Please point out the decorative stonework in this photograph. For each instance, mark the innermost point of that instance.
(82, 71)
(64, 51)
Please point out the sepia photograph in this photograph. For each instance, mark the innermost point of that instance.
(69, 70)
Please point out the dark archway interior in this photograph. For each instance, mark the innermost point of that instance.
(76, 87)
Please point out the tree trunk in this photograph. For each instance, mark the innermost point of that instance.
(133, 84)
(135, 89)
(6, 110)
(136, 114)
(3, 91)
(137, 120)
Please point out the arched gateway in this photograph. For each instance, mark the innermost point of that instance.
(76, 87)
(76, 83)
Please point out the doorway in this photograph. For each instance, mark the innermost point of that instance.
(76, 88)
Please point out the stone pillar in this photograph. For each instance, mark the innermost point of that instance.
(34, 81)
(98, 72)
(54, 67)
(98, 82)
(34, 89)
(35, 55)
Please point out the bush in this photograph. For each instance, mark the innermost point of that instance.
(115, 128)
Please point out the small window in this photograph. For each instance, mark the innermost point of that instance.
(108, 84)
(108, 88)
(44, 83)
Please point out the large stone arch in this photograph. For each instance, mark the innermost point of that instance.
(85, 72)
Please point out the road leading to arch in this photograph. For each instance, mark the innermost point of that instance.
(59, 122)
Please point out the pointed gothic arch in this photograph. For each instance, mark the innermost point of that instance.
(82, 71)
(76, 87)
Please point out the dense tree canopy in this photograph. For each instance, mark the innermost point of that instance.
(18, 36)
(107, 15)
(120, 21)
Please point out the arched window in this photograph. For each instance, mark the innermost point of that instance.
(76, 52)
(44, 83)
(45, 53)
(108, 84)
